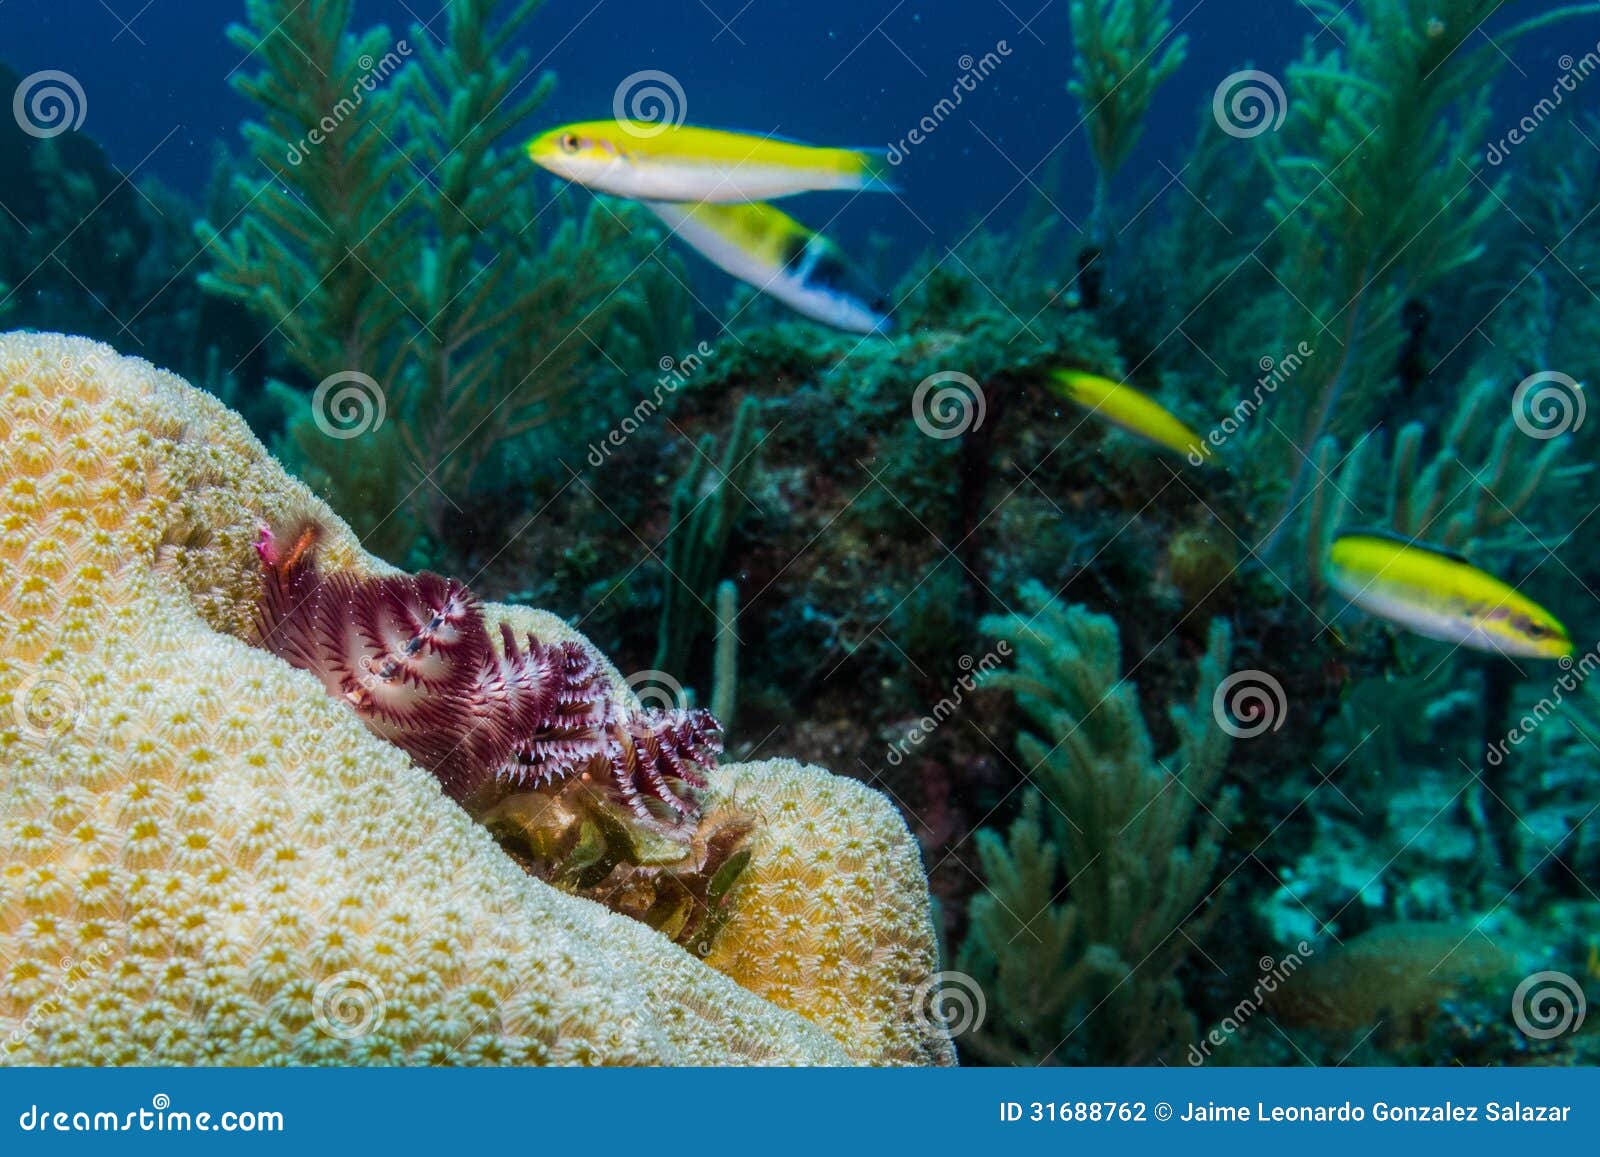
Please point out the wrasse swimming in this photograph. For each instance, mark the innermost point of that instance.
(1442, 596)
(772, 251)
(655, 162)
(1126, 407)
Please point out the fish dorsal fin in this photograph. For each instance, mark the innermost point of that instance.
(1401, 540)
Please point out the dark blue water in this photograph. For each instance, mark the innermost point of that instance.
(156, 74)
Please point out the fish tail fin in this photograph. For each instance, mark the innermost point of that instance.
(875, 170)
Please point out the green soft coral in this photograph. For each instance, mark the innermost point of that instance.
(1122, 52)
(403, 244)
(1371, 202)
(1092, 901)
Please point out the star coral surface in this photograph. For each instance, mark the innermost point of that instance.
(204, 858)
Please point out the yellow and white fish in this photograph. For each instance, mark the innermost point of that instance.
(1125, 407)
(664, 162)
(1441, 596)
(770, 250)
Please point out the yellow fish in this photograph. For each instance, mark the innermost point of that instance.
(1126, 407)
(1441, 596)
(769, 249)
(651, 161)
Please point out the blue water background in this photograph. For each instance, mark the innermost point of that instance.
(831, 71)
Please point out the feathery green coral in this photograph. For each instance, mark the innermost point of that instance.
(1371, 202)
(1122, 52)
(401, 241)
(1090, 977)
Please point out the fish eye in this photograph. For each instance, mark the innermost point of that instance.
(1537, 630)
(569, 142)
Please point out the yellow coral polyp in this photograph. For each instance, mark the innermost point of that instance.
(200, 846)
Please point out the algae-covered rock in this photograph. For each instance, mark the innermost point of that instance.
(204, 858)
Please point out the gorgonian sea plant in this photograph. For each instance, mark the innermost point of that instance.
(412, 656)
